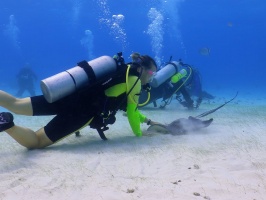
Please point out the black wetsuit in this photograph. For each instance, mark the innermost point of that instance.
(80, 109)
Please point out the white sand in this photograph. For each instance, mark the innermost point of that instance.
(224, 161)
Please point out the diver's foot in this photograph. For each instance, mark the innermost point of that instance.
(6, 121)
(188, 105)
(207, 95)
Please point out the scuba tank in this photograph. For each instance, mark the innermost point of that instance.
(85, 74)
(165, 73)
(168, 80)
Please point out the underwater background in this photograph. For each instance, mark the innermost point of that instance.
(225, 40)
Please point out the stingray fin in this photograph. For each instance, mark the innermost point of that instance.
(205, 123)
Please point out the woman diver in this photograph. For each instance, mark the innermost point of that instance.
(95, 106)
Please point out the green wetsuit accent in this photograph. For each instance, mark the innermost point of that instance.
(133, 114)
(116, 90)
(135, 118)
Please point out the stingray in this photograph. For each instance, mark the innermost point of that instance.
(183, 125)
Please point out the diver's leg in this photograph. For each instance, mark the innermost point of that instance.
(186, 95)
(31, 90)
(28, 138)
(20, 92)
(207, 95)
(16, 105)
(24, 136)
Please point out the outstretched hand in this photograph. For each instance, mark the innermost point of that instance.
(156, 127)
(155, 123)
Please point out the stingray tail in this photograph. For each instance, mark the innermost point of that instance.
(215, 109)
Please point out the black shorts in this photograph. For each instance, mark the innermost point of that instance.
(70, 116)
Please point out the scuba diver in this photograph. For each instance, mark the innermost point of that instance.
(179, 80)
(26, 78)
(194, 88)
(89, 94)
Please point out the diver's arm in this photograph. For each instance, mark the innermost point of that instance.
(134, 119)
(133, 114)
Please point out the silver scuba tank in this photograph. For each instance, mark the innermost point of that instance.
(65, 83)
(165, 73)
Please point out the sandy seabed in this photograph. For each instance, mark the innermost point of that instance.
(227, 160)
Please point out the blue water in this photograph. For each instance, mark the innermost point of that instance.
(54, 35)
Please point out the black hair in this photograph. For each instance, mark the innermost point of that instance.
(144, 61)
(147, 62)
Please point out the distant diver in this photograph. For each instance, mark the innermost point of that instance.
(176, 80)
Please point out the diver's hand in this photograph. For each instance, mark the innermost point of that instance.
(153, 123)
